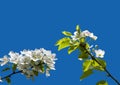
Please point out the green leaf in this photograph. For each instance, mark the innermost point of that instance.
(42, 68)
(8, 80)
(14, 66)
(67, 33)
(87, 46)
(35, 72)
(72, 48)
(102, 62)
(87, 65)
(5, 69)
(82, 40)
(78, 29)
(86, 74)
(62, 40)
(83, 55)
(102, 82)
(97, 66)
(63, 43)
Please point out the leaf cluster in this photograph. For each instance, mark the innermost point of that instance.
(81, 44)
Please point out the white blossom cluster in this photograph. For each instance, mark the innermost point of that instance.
(83, 34)
(31, 61)
(77, 36)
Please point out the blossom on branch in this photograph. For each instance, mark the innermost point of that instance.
(31, 62)
(83, 34)
(86, 33)
(4, 60)
(100, 53)
(80, 41)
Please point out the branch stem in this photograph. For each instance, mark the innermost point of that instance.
(13, 73)
(108, 73)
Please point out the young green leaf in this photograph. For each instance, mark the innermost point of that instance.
(63, 43)
(83, 55)
(102, 82)
(5, 69)
(8, 80)
(86, 74)
(98, 66)
(14, 66)
(82, 40)
(42, 68)
(87, 46)
(87, 65)
(67, 33)
(72, 48)
(78, 29)
(102, 62)
(35, 72)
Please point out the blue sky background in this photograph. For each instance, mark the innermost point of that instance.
(30, 24)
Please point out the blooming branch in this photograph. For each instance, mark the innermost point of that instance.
(92, 57)
(29, 63)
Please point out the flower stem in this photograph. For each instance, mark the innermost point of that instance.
(108, 73)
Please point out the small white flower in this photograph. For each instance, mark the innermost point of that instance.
(80, 59)
(29, 60)
(24, 60)
(29, 73)
(26, 52)
(47, 72)
(93, 36)
(1, 80)
(99, 53)
(37, 54)
(75, 36)
(76, 33)
(86, 33)
(4, 60)
(14, 57)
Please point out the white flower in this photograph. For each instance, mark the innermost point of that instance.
(14, 57)
(26, 52)
(47, 72)
(29, 73)
(80, 59)
(75, 36)
(99, 53)
(4, 60)
(23, 67)
(1, 80)
(37, 54)
(86, 33)
(83, 34)
(32, 60)
(24, 60)
(93, 36)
